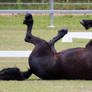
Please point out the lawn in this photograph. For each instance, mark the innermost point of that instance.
(12, 34)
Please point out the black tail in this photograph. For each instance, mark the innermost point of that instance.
(14, 74)
(27, 74)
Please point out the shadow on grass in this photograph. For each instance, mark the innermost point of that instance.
(33, 80)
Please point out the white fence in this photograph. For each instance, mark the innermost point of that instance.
(67, 38)
(15, 53)
(46, 11)
(82, 35)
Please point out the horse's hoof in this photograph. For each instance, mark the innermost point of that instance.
(63, 31)
(28, 16)
(28, 19)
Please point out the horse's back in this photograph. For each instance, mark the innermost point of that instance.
(76, 62)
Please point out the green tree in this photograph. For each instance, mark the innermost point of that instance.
(88, 1)
(19, 4)
(8, 1)
(67, 1)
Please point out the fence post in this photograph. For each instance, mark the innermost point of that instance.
(52, 14)
(89, 6)
(18, 4)
(42, 1)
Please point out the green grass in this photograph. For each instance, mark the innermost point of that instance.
(12, 34)
(44, 86)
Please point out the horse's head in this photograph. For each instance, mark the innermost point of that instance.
(28, 19)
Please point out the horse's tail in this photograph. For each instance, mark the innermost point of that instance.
(14, 74)
(27, 74)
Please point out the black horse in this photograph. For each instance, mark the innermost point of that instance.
(46, 63)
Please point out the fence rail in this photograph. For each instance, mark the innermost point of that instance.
(45, 11)
(81, 35)
(15, 53)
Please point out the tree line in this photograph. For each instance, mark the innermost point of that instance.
(39, 1)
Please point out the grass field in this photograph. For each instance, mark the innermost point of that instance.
(12, 33)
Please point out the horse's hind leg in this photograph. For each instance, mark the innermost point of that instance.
(60, 35)
(35, 40)
(29, 37)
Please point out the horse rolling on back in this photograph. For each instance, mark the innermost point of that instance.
(46, 63)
